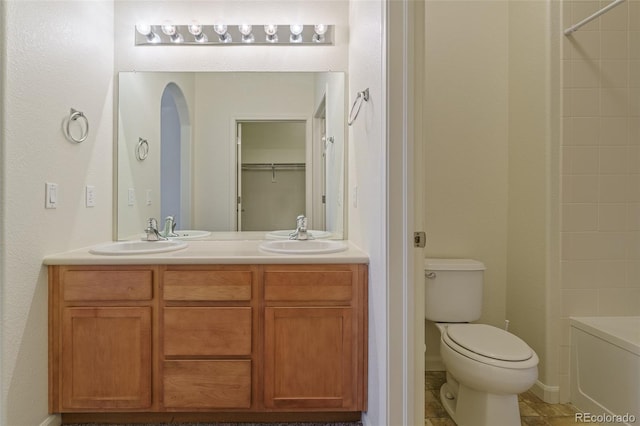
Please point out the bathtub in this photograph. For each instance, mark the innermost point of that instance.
(605, 368)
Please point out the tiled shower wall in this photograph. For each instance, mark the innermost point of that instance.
(600, 258)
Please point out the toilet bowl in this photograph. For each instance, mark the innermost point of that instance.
(486, 367)
(486, 370)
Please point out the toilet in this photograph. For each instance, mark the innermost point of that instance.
(487, 367)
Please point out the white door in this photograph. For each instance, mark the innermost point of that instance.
(239, 176)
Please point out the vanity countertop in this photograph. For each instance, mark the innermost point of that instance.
(208, 252)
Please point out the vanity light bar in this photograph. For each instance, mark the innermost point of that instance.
(233, 35)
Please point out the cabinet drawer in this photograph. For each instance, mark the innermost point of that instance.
(207, 331)
(207, 285)
(207, 384)
(87, 285)
(308, 285)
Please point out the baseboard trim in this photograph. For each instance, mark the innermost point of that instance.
(433, 363)
(52, 420)
(549, 394)
(212, 417)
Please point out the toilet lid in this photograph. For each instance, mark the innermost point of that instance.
(489, 341)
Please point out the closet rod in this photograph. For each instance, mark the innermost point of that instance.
(271, 166)
(585, 21)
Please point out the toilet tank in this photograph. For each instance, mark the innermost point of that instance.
(453, 289)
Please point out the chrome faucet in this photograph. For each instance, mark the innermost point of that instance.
(152, 231)
(301, 229)
(169, 227)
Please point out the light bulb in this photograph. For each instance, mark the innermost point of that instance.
(296, 33)
(320, 31)
(170, 30)
(196, 30)
(245, 30)
(223, 35)
(247, 35)
(272, 33)
(145, 30)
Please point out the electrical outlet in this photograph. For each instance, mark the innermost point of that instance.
(354, 196)
(90, 196)
(148, 197)
(132, 197)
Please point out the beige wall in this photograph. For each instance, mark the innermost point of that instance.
(466, 150)
(530, 158)
(489, 158)
(600, 168)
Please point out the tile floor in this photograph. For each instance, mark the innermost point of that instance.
(533, 411)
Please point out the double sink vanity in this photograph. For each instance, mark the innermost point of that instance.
(234, 325)
(209, 330)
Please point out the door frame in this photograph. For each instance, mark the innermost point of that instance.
(403, 23)
(233, 191)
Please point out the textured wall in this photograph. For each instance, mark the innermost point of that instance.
(58, 55)
(367, 172)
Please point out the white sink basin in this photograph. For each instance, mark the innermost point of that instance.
(303, 247)
(190, 234)
(119, 248)
(284, 234)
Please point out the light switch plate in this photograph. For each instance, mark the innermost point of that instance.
(50, 195)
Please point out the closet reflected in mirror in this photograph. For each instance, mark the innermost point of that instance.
(231, 151)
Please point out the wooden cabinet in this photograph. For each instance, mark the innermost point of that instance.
(100, 339)
(107, 361)
(314, 337)
(208, 317)
(309, 358)
(208, 339)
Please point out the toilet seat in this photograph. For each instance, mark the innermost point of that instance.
(489, 345)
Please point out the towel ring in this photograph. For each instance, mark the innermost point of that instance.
(357, 104)
(74, 115)
(142, 149)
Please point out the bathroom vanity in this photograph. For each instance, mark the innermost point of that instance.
(200, 334)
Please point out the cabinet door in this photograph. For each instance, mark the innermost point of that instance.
(309, 358)
(106, 358)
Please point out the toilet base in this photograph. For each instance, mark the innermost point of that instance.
(468, 407)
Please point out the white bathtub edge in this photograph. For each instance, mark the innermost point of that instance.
(601, 328)
(596, 343)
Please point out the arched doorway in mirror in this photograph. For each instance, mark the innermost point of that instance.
(175, 157)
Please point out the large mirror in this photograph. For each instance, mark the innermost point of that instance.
(231, 151)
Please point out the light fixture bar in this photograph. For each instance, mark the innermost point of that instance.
(208, 37)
